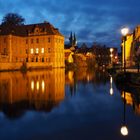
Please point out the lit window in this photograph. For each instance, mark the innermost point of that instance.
(43, 86)
(37, 50)
(37, 85)
(42, 50)
(32, 85)
(32, 51)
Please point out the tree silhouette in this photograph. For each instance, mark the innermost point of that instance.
(12, 19)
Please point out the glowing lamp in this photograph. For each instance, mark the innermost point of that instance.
(124, 130)
(111, 50)
(125, 31)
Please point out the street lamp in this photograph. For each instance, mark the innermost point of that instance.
(111, 55)
(124, 32)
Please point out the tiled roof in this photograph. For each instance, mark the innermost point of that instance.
(67, 54)
(26, 30)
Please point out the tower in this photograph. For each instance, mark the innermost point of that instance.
(73, 40)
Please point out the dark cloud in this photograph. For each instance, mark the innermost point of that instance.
(97, 20)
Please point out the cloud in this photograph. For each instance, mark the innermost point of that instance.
(98, 19)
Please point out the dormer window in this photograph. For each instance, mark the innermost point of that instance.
(36, 30)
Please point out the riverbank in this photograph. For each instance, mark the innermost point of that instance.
(127, 78)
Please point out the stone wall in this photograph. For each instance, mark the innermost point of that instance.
(19, 65)
(10, 66)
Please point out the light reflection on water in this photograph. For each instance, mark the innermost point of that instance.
(55, 104)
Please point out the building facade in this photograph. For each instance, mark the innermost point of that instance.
(132, 47)
(128, 49)
(34, 45)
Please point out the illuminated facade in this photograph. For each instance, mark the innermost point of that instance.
(128, 47)
(34, 45)
(132, 47)
(69, 56)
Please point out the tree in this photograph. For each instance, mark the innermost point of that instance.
(12, 19)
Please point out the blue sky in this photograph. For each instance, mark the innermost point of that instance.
(92, 20)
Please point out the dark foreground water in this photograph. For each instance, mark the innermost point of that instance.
(54, 105)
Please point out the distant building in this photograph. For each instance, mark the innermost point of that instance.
(37, 45)
(69, 56)
(72, 45)
(103, 55)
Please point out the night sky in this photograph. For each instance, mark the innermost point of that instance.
(92, 20)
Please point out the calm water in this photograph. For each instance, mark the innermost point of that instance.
(54, 105)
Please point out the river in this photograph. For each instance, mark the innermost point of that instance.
(73, 105)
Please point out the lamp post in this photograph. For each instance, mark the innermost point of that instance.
(124, 32)
(124, 129)
(111, 55)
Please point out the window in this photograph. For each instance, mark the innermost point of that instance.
(36, 59)
(37, 50)
(49, 50)
(37, 40)
(4, 51)
(26, 51)
(26, 59)
(42, 50)
(32, 51)
(32, 59)
(43, 59)
(32, 41)
(49, 40)
(26, 41)
(4, 40)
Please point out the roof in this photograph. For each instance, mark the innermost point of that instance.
(28, 30)
(67, 54)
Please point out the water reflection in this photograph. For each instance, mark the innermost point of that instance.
(85, 76)
(132, 96)
(124, 129)
(41, 90)
(111, 85)
(84, 106)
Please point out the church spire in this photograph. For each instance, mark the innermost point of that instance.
(71, 39)
(74, 40)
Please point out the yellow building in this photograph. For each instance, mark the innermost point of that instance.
(137, 33)
(36, 45)
(69, 56)
(132, 47)
(128, 47)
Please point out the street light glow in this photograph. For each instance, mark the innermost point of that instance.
(111, 50)
(125, 31)
(124, 131)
